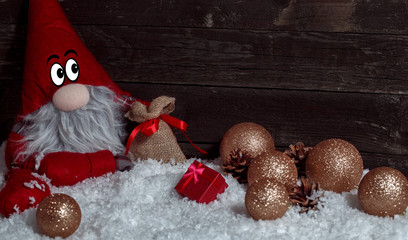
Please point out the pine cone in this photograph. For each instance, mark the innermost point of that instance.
(301, 195)
(299, 153)
(237, 164)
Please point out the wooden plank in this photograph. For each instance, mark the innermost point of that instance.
(266, 59)
(346, 16)
(263, 59)
(302, 15)
(10, 92)
(381, 15)
(193, 13)
(373, 160)
(6, 122)
(12, 49)
(13, 11)
(372, 122)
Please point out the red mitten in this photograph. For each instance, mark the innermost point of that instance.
(68, 168)
(23, 190)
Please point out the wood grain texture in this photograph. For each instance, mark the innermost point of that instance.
(12, 50)
(373, 122)
(10, 92)
(307, 60)
(381, 16)
(375, 16)
(266, 59)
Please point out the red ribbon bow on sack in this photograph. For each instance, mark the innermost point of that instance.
(151, 126)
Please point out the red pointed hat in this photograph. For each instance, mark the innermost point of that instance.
(55, 57)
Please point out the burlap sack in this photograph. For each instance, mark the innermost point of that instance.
(162, 145)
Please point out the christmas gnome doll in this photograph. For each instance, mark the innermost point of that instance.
(71, 121)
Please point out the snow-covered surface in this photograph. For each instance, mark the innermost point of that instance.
(143, 204)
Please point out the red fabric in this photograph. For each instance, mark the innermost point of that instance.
(22, 191)
(62, 168)
(50, 33)
(102, 162)
(13, 146)
(68, 168)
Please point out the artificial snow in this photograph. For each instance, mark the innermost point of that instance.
(143, 204)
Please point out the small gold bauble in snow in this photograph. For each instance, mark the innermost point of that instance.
(58, 215)
(267, 199)
(383, 192)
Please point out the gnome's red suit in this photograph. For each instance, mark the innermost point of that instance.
(70, 123)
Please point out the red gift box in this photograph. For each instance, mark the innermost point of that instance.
(201, 183)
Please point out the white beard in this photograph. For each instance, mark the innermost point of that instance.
(96, 126)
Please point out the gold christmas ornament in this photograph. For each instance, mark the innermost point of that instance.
(58, 215)
(276, 165)
(336, 165)
(240, 144)
(383, 192)
(267, 199)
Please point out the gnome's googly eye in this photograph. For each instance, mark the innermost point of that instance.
(57, 74)
(72, 69)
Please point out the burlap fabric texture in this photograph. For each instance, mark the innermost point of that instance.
(162, 145)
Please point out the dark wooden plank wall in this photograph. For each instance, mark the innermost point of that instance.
(307, 70)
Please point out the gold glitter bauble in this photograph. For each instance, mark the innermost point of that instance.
(276, 165)
(248, 137)
(383, 192)
(267, 199)
(336, 165)
(58, 215)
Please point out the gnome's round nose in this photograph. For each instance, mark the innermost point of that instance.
(71, 97)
